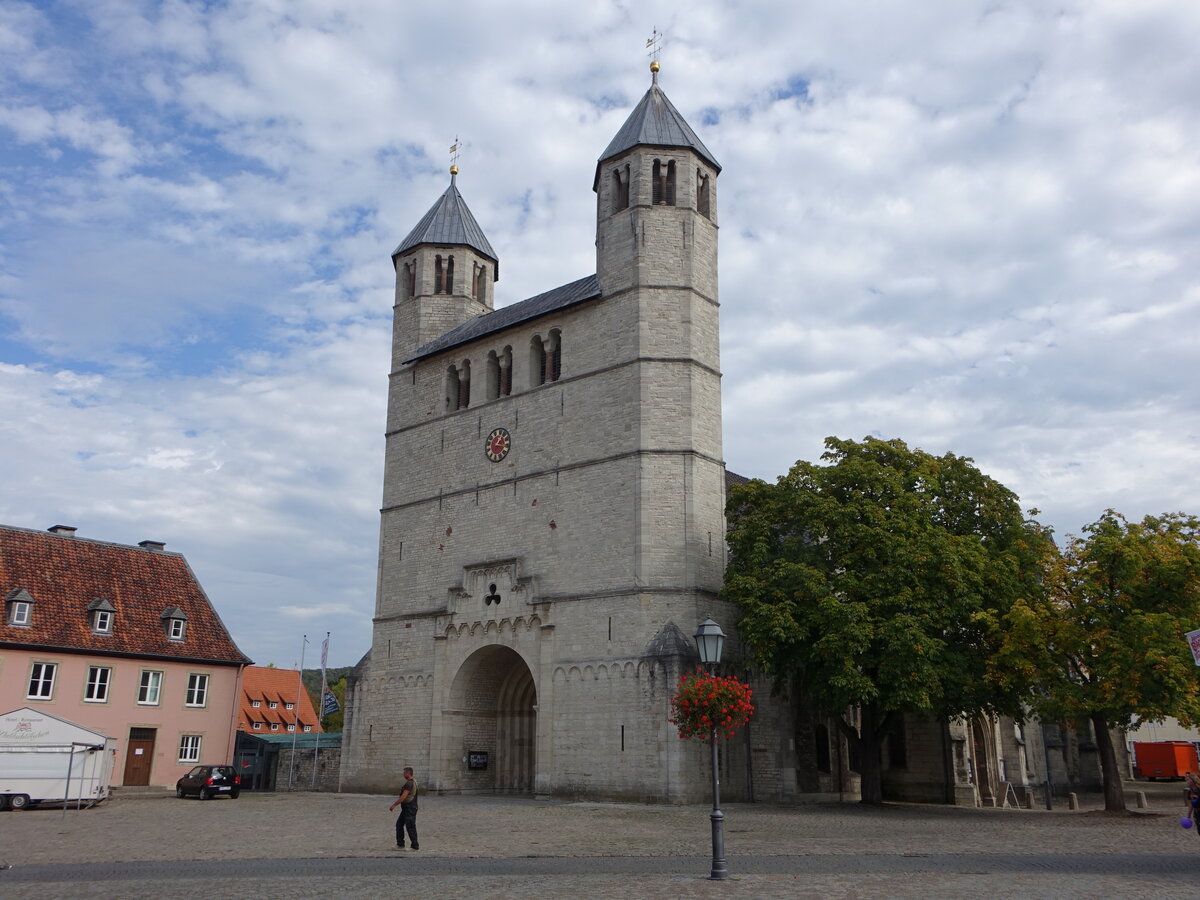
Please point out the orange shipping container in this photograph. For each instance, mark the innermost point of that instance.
(1164, 759)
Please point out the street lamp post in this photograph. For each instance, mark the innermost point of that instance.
(710, 641)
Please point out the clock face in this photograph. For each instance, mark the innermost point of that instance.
(498, 444)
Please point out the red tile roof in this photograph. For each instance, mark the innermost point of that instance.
(267, 684)
(65, 574)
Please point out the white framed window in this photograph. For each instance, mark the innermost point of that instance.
(291, 728)
(256, 703)
(176, 629)
(308, 728)
(258, 726)
(271, 704)
(20, 612)
(41, 681)
(274, 726)
(197, 690)
(150, 688)
(189, 748)
(102, 621)
(98, 679)
(289, 706)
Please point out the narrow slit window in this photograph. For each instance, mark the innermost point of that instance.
(464, 386)
(439, 276)
(537, 362)
(702, 200)
(506, 372)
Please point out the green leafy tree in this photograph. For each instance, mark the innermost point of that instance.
(1105, 641)
(877, 582)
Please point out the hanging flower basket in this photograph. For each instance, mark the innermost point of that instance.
(705, 702)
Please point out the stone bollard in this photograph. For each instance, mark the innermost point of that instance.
(1142, 802)
(1072, 801)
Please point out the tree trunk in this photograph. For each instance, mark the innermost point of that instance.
(1114, 790)
(868, 741)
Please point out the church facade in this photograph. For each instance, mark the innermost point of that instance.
(552, 529)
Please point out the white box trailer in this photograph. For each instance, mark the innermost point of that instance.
(45, 759)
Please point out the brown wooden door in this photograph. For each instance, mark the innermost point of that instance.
(138, 756)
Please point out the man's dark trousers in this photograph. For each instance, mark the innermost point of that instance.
(407, 821)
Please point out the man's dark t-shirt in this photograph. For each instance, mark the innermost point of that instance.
(411, 802)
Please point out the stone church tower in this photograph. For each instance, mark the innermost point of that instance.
(552, 525)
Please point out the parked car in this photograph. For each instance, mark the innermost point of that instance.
(209, 781)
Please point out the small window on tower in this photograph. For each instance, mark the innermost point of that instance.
(664, 183)
(620, 188)
(537, 361)
(410, 279)
(439, 276)
(506, 372)
(702, 201)
(493, 375)
(554, 356)
(464, 385)
(452, 388)
(449, 276)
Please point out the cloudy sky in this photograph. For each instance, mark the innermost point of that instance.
(971, 225)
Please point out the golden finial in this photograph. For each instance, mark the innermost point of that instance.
(454, 153)
(454, 170)
(654, 43)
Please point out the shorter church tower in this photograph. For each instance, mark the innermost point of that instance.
(445, 270)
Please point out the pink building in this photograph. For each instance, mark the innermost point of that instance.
(120, 639)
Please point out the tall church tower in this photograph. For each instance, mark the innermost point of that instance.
(552, 528)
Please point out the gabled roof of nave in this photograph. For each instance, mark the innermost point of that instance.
(656, 122)
(449, 221)
(559, 298)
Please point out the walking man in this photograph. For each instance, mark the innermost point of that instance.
(407, 801)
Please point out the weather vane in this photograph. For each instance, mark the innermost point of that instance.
(455, 152)
(654, 42)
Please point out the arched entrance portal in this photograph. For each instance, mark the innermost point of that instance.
(493, 708)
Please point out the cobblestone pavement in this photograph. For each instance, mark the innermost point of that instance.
(341, 845)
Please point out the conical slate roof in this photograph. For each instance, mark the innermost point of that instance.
(448, 221)
(656, 122)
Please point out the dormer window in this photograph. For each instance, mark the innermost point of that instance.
(174, 623)
(256, 703)
(20, 608)
(101, 611)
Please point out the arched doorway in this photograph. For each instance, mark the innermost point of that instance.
(493, 705)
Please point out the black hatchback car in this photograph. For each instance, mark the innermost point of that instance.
(206, 782)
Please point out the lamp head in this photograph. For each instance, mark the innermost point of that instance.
(710, 641)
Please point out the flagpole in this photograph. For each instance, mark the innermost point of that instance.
(296, 733)
(320, 706)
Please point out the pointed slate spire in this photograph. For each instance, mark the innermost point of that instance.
(655, 122)
(449, 221)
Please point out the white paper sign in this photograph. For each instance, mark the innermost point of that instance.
(137, 752)
(1193, 639)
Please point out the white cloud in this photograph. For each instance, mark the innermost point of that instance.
(969, 225)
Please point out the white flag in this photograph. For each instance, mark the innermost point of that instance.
(1193, 639)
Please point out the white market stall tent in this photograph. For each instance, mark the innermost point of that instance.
(45, 759)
